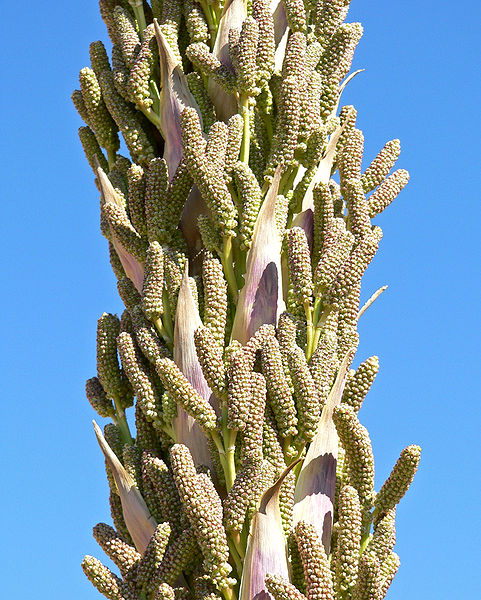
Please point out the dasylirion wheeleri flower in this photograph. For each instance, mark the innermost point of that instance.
(237, 205)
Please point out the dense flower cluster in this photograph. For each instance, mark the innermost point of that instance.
(239, 230)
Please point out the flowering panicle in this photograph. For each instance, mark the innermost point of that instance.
(239, 227)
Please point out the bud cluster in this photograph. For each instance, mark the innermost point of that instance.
(239, 230)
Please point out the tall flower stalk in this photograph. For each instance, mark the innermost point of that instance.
(239, 230)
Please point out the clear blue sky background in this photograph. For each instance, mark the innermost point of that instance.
(421, 84)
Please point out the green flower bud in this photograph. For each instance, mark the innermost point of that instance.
(204, 518)
(139, 377)
(210, 358)
(384, 537)
(378, 170)
(98, 399)
(126, 35)
(124, 231)
(152, 559)
(296, 15)
(250, 196)
(127, 121)
(398, 482)
(245, 490)
(348, 540)
(201, 96)
(317, 573)
(246, 66)
(139, 80)
(182, 391)
(153, 282)
(357, 208)
(98, 115)
(239, 391)
(367, 587)
(92, 150)
(211, 183)
(387, 192)
(180, 554)
(79, 103)
(136, 199)
(335, 253)
(300, 272)
(279, 392)
(328, 16)
(99, 59)
(281, 589)
(251, 447)
(350, 159)
(387, 573)
(170, 25)
(108, 368)
(155, 470)
(123, 555)
(306, 394)
(210, 66)
(104, 580)
(359, 383)
(195, 22)
(357, 444)
(266, 45)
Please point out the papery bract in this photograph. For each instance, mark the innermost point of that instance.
(233, 14)
(260, 300)
(140, 523)
(266, 546)
(175, 96)
(132, 267)
(316, 484)
(187, 320)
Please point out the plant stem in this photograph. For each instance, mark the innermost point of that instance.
(162, 331)
(228, 264)
(220, 448)
(210, 18)
(122, 424)
(153, 118)
(229, 444)
(138, 8)
(310, 330)
(235, 555)
(229, 594)
(245, 112)
(111, 157)
(321, 321)
(168, 319)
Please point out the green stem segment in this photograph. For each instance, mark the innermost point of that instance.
(122, 424)
(246, 141)
(310, 330)
(138, 8)
(111, 157)
(227, 259)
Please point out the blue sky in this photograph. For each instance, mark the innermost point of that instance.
(422, 85)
